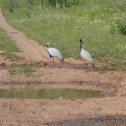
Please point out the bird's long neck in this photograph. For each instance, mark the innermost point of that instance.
(46, 47)
(80, 46)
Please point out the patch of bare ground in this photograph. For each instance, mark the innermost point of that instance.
(42, 112)
(55, 75)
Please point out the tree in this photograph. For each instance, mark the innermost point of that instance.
(55, 3)
(41, 3)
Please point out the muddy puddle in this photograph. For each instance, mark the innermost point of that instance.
(109, 121)
(48, 93)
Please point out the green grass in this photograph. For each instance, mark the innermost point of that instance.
(23, 68)
(49, 93)
(7, 46)
(94, 22)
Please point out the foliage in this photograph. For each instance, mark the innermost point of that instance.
(12, 5)
(7, 46)
(63, 3)
(118, 4)
(118, 25)
(23, 68)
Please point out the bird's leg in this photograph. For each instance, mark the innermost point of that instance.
(53, 59)
(58, 59)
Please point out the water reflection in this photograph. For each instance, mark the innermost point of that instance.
(49, 93)
(109, 122)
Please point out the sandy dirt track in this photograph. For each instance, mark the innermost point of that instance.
(29, 48)
(72, 74)
(40, 112)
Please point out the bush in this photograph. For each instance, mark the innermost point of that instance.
(122, 27)
(72, 2)
(63, 3)
(119, 27)
(11, 5)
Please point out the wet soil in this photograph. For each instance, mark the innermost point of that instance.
(102, 121)
(48, 112)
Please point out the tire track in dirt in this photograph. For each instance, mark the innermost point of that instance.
(30, 49)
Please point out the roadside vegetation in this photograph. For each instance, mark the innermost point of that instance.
(100, 24)
(9, 50)
(7, 47)
(56, 93)
(21, 69)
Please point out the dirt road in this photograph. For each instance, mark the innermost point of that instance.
(29, 112)
(40, 112)
(30, 49)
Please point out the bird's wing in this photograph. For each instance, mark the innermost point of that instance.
(55, 52)
(48, 51)
(86, 55)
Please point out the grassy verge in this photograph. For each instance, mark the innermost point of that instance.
(49, 93)
(8, 50)
(25, 69)
(7, 46)
(99, 24)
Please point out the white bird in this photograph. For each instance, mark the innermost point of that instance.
(86, 55)
(53, 52)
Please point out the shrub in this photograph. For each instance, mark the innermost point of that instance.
(119, 27)
(63, 3)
